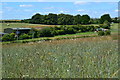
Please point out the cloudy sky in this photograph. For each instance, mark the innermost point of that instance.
(23, 10)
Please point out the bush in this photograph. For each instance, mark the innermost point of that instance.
(105, 25)
(101, 33)
(34, 33)
(46, 32)
(107, 32)
(60, 32)
(8, 37)
(70, 30)
(24, 36)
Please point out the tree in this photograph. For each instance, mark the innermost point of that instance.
(37, 19)
(77, 19)
(51, 19)
(65, 19)
(85, 19)
(106, 25)
(104, 18)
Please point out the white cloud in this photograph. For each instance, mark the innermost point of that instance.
(49, 8)
(63, 11)
(25, 5)
(80, 2)
(80, 10)
(117, 10)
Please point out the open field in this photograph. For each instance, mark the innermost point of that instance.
(21, 25)
(95, 57)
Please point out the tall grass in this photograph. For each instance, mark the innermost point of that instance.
(74, 58)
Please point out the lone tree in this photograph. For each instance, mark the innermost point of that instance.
(104, 18)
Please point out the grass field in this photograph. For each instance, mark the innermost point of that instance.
(78, 58)
(92, 57)
(21, 25)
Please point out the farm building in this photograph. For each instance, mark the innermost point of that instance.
(17, 30)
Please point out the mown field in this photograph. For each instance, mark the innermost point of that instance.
(21, 25)
(92, 57)
(95, 57)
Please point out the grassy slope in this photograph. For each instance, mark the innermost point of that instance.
(78, 58)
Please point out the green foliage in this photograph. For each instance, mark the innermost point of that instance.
(85, 19)
(8, 37)
(105, 25)
(51, 19)
(34, 33)
(65, 19)
(77, 19)
(24, 36)
(46, 32)
(60, 19)
(104, 18)
(107, 32)
(37, 19)
(101, 33)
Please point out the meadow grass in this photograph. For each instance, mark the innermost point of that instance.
(95, 57)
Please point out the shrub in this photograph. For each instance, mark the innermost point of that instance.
(8, 37)
(33, 33)
(46, 32)
(70, 30)
(101, 33)
(24, 36)
(60, 32)
(107, 32)
(105, 25)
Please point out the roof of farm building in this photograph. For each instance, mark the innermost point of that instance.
(19, 28)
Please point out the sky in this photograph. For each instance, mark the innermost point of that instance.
(24, 10)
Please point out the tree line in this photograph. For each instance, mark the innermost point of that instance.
(58, 19)
(67, 19)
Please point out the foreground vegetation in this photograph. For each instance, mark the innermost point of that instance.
(95, 57)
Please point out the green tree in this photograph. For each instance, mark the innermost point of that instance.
(85, 19)
(37, 19)
(51, 19)
(77, 19)
(104, 18)
(106, 25)
(65, 19)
